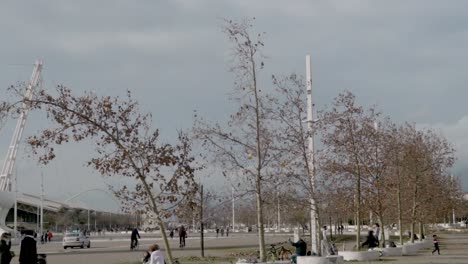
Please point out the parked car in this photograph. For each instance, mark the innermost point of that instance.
(76, 239)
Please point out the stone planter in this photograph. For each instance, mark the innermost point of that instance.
(410, 249)
(359, 255)
(269, 262)
(392, 251)
(320, 260)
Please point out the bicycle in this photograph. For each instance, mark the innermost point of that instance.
(281, 253)
(135, 245)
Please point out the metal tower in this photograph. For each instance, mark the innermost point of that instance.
(8, 165)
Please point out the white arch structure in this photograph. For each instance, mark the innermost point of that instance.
(90, 190)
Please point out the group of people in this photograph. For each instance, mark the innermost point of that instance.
(222, 232)
(340, 229)
(28, 248)
(46, 237)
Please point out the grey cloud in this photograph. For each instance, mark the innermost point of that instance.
(406, 56)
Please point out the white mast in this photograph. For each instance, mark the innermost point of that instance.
(8, 165)
(279, 213)
(15, 221)
(42, 204)
(313, 206)
(233, 210)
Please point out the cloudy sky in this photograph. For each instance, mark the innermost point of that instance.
(406, 56)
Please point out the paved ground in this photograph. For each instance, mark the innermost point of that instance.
(113, 251)
(454, 249)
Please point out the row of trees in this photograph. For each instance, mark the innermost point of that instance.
(261, 148)
(366, 161)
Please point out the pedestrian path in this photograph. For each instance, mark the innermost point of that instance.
(453, 250)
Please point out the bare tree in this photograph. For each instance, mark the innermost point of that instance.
(162, 174)
(289, 111)
(244, 147)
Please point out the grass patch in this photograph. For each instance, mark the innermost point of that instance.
(343, 238)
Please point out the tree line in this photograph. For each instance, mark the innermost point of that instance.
(366, 162)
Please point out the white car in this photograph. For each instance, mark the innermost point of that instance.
(77, 239)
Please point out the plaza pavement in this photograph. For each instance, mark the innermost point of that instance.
(454, 249)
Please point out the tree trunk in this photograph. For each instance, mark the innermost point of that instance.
(421, 231)
(381, 220)
(382, 232)
(358, 213)
(260, 227)
(261, 231)
(400, 213)
(202, 241)
(165, 241)
(413, 214)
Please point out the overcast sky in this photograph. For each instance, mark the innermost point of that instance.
(406, 56)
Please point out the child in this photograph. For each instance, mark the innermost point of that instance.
(436, 244)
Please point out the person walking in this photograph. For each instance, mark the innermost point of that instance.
(342, 228)
(217, 232)
(49, 235)
(171, 234)
(28, 248)
(371, 242)
(134, 238)
(227, 231)
(5, 246)
(436, 244)
(182, 236)
(377, 232)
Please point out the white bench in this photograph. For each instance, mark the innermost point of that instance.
(320, 260)
(359, 255)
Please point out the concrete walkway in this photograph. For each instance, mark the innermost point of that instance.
(453, 249)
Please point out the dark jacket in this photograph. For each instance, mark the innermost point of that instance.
(371, 241)
(28, 251)
(135, 234)
(5, 255)
(301, 247)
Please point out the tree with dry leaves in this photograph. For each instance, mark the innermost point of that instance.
(289, 112)
(244, 146)
(348, 154)
(428, 158)
(162, 174)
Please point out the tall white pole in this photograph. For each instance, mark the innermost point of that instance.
(453, 209)
(38, 218)
(193, 223)
(233, 210)
(95, 221)
(15, 219)
(88, 220)
(42, 203)
(313, 206)
(279, 214)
